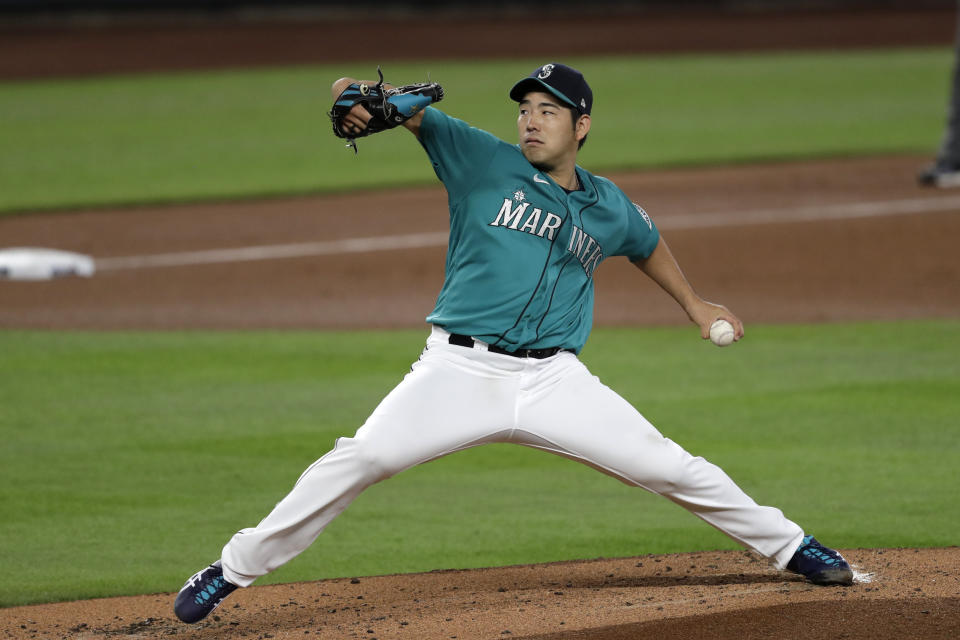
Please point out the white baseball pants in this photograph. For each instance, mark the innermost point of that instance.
(454, 398)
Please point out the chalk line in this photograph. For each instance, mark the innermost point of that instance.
(843, 211)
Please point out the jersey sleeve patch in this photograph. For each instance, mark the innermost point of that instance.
(643, 213)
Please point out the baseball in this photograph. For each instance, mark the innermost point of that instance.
(721, 333)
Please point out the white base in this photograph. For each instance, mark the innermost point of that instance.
(30, 263)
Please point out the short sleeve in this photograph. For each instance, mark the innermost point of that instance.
(459, 153)
(642, 236)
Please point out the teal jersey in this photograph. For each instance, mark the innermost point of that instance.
(523, 251)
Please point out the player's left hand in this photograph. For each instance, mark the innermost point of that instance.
(356, 120)
(705, 313)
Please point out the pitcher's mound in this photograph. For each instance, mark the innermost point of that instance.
(903, 593)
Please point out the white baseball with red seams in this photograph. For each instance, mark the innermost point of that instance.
(721, 333)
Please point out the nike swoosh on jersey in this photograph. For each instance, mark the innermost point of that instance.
(537, 178)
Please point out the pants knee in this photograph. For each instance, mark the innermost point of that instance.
(672, 471)
(377, 461)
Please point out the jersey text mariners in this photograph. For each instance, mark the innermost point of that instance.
(523, 251)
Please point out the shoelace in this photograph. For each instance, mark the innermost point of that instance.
(813, 549)
(210, 590)
(194, 579)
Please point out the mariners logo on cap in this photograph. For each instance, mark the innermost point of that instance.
(545, 71)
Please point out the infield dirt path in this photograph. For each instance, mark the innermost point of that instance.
(831, 240)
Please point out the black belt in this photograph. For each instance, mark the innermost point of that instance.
(467, 341)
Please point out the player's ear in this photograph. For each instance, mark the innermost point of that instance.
(582, 128)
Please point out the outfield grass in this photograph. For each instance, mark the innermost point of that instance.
(189, 136)
(130, 458)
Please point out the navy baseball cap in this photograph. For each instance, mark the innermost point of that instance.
(562, 81)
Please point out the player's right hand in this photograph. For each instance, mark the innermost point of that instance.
(705, 313)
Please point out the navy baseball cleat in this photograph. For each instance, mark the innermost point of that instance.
(821, 565)
(202, 593)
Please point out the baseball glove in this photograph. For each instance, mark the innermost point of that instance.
(388, 108)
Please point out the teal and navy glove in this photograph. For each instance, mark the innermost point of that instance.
(388, 108)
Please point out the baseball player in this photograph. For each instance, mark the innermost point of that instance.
(528, 229)
(944, 172)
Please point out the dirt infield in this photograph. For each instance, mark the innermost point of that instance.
(832, 240)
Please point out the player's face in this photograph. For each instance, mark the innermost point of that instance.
(547, 133)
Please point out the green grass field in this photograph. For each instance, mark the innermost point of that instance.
(130, 458)
(188, 136)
